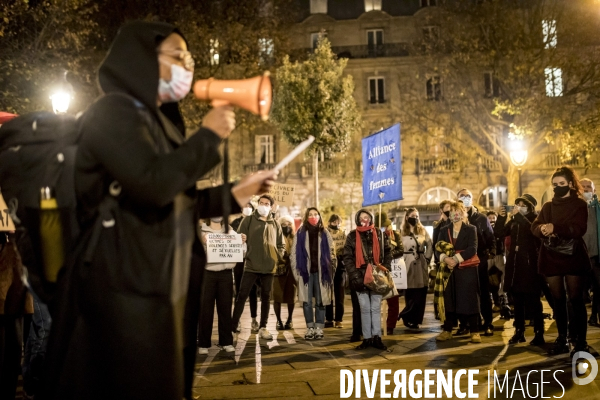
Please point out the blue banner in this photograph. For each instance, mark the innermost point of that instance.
(382, 176)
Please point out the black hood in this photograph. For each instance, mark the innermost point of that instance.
(131, 65)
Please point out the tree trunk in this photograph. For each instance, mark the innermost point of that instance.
(512, 177)
(316, 176)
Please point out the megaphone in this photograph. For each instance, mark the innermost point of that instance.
(253, 94)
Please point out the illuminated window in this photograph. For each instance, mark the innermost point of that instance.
(436, 195)
(214, 51)
(492, 86)
(264, 149)
(266, 49)
(372, 5)
(549, 32)
(494, 196)
(315, 37)
(434, 88)
(554, 83)
(318, 6)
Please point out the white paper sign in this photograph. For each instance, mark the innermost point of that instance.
(224, 248)
(6, 222)
(399, 273)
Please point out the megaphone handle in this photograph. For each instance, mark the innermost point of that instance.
(219, 103)
(226, 187)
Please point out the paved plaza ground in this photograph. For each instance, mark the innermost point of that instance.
(289, 367)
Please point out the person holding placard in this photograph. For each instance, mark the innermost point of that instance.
(313, 264)
(217, 287)
(418, 251)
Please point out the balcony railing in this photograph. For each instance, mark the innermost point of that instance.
(436, 165)
(361, 51)
(302, 170)
(553, 160)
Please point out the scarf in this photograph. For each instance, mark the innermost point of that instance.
(302, 257)
(441, 278)
(360, 257)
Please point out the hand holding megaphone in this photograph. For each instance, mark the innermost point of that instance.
(253, 94)
(220, 120)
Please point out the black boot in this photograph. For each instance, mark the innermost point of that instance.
(593, 321)
(377, 343)
(580, 346)
(518, 337)
(560, 346)
(538, 339)
(366, 343)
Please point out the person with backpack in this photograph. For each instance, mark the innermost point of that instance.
(135, 179)
(266, 247)
(313, 264)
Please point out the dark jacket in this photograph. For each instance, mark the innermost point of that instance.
(437, 227)
(396, 245)
(133, 291)
(462, 291)
(356, 276)
(569, 217)
(522, 258)
(486, 242)
(265, 242)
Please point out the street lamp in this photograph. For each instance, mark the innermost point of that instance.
(62, 93)
(518, 157)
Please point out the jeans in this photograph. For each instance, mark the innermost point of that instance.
(339, 293)
(35, 347)
(370, 313)
(314, 290)
(248, 280)
(216, 287)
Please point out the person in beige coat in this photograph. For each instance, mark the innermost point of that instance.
(313, 264)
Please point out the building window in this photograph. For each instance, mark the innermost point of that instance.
(214, 51)
(376, 90)
(264, 149)
(436, 195)
(549, 32)
(318, 6)
(428, 3)
(554, 83)
(372, 5)
(265, 49)
(492, 86)
(374, 41)
(315, 37)
(434, 88)
(494, 197)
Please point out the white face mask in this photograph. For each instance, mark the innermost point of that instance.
(178, 87)
(247, 211)
(217, 220)
(523, 210)
(588, 196)
(467, 201)
(263, 210)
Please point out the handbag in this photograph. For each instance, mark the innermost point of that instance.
(378, 279)
(471, 262)
(560, 246)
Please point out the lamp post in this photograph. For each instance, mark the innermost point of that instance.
(518, 157)
(62, 93)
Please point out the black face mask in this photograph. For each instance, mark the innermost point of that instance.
(447, 214)
(561, 191)
(412, 221)
(287, 230)
(334, 227)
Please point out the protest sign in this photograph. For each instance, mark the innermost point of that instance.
(221, 247)
(283, 194)
(6, 222)
(399, 273)
(382, 177)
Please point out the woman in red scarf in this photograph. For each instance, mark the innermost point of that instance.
(363, 247)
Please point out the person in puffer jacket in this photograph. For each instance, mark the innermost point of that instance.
(360, 250)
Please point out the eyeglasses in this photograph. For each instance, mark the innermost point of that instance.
(185, 57)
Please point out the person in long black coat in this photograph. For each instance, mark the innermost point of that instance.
(461, 295)
(135, 181)
(522, 279)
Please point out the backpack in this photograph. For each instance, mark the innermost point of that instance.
(37, 150)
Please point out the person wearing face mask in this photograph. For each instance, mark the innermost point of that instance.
(592, 242)
(135, 179)
(364, 246)
(313, 264)
(217, 287)
(461, 293)
(486, 248)
(284, 284)
(564, 220)
(339, 291)
(418, 251)
(266, 246)
(522, 279)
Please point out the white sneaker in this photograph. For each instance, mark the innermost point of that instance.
(263, 333)
(310, 334)
(229, 349)
(319, 333)
(203, 351)
(254, 326)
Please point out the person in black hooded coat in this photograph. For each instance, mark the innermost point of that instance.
(135, 181)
